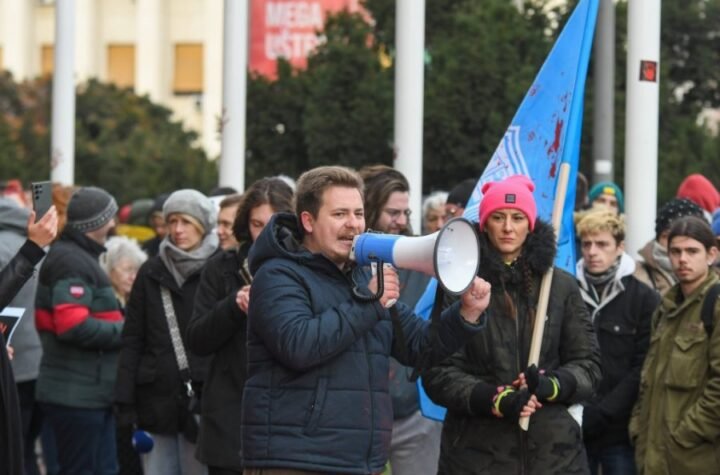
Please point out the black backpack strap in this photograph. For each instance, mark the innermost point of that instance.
(708, 308)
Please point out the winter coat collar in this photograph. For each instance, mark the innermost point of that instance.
(282, 238)
(80, 239)
(538, 254)
(627, 267)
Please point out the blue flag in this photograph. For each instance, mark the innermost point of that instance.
(544, 133)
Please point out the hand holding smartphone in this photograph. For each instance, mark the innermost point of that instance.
(42, 198)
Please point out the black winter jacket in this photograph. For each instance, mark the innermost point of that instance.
(218, 328)
(12, 278)
(317, 396)
(148, 376)
(476, 442)
(20, 268)
(622, 324)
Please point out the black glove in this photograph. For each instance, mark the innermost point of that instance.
(509, 403)
(594, 422)
(125, 415)
(546, 387)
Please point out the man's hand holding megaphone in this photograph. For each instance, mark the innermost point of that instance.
(475, 300)
(391, 286)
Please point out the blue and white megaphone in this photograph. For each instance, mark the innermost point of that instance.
(451, 255)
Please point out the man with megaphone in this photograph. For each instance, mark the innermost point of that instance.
(316, 399)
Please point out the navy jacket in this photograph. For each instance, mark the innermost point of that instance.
(316, 397)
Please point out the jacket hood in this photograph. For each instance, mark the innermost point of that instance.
(646, 253)
(281, 237)
(538, 254)
(13, 217)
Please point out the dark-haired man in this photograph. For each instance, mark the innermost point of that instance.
(675, 425)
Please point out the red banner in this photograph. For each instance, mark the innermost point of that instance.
(288, 29)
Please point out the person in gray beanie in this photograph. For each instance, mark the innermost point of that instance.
(159, 404)
(79, 323)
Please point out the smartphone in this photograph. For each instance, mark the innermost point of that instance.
(42, 198)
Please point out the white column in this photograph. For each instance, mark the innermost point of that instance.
(16, 27)
(63, 101)
(87, 47)
(151, 50)
(409, 87)
(232, 165)
(213, 77)
(641, 129)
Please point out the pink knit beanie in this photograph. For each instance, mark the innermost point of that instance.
(513, 192)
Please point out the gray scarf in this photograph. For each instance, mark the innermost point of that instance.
(661, 257)
(598, 282)
(183, 264)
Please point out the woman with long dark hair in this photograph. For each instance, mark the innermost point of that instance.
(218, 327)
(487, 386)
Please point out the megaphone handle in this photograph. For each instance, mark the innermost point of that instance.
(380, 285)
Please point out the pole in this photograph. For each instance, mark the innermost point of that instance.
(62, 150)
(604, 100)
(641, 129)
(409, 90)
(232, 161)
(544, 297)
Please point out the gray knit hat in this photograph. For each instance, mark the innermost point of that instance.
(192, 203)
(90, 208)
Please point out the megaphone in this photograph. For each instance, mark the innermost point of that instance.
(451, 254)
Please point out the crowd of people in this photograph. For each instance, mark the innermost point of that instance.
(232, 333)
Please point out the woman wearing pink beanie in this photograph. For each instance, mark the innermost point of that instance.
(486, 386)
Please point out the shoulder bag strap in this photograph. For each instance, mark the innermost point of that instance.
(176, 339)
(708, 308)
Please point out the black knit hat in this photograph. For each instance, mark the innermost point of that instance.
(672, 210)
(460, 195)
(90, 208)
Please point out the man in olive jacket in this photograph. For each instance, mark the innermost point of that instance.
(675, 424)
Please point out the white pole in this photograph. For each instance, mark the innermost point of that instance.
(232, 162)
(63, 101)
(409, 89)
(641, 129)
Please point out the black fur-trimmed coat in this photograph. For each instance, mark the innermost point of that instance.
(476, 442)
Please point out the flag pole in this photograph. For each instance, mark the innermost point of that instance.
(539, 328)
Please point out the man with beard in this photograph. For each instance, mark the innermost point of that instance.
(654, 268)
(674, 424)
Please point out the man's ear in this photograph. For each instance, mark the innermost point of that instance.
(307, 221)
(621, 246)
(712, 255)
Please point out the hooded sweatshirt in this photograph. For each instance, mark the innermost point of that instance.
(25, 340)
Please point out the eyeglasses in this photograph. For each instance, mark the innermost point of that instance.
(395, 213)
